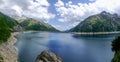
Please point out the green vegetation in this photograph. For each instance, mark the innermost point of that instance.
(116, 57)
(6, 27)
(103, 22)
(116, 48)
(116, 44)
(31, 24)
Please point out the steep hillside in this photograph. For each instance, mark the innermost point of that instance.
(103, 22)
(31, 24)
(7, 25)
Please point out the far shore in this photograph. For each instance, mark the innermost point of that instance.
(92, 33)
(79, 33)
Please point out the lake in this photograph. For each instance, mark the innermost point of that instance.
(70, 47)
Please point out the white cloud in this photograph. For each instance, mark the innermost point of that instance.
(37, 9)
(41, 2)
(17, 9)
(59, 3)
(69, 14)
(76, 13)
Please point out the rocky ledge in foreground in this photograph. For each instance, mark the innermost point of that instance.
(47, 56)
(8, 52)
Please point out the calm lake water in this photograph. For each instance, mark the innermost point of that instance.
(71, 48)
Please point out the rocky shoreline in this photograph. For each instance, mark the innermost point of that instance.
(8, 52)
(92, 33)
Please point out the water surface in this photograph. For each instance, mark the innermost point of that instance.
(69, 47)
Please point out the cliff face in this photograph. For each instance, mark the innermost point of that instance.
(8, 52)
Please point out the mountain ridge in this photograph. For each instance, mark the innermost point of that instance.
(102, 22)
(32, 24)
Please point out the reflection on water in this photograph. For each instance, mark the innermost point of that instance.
(69, 47)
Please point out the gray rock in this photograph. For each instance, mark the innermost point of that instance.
(8, 53)
(17, 28)
(47, 56)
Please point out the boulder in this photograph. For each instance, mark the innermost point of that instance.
(47, 56)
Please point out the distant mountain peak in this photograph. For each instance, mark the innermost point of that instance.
(105, 13)
(102, 22)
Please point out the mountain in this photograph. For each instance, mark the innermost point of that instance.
(31, 24)
(7, 25)
(103, 22)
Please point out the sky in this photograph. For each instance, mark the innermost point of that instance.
(62, 14)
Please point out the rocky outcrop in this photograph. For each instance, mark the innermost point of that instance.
(8, 52)
(17, 28)
(47, 56)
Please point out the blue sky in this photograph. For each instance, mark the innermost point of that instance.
(53, 10)
(52, 2)
(62, 14)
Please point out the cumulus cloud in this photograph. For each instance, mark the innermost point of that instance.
(70, 12)
(59, 3)
(37, 9)
(17, 9)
